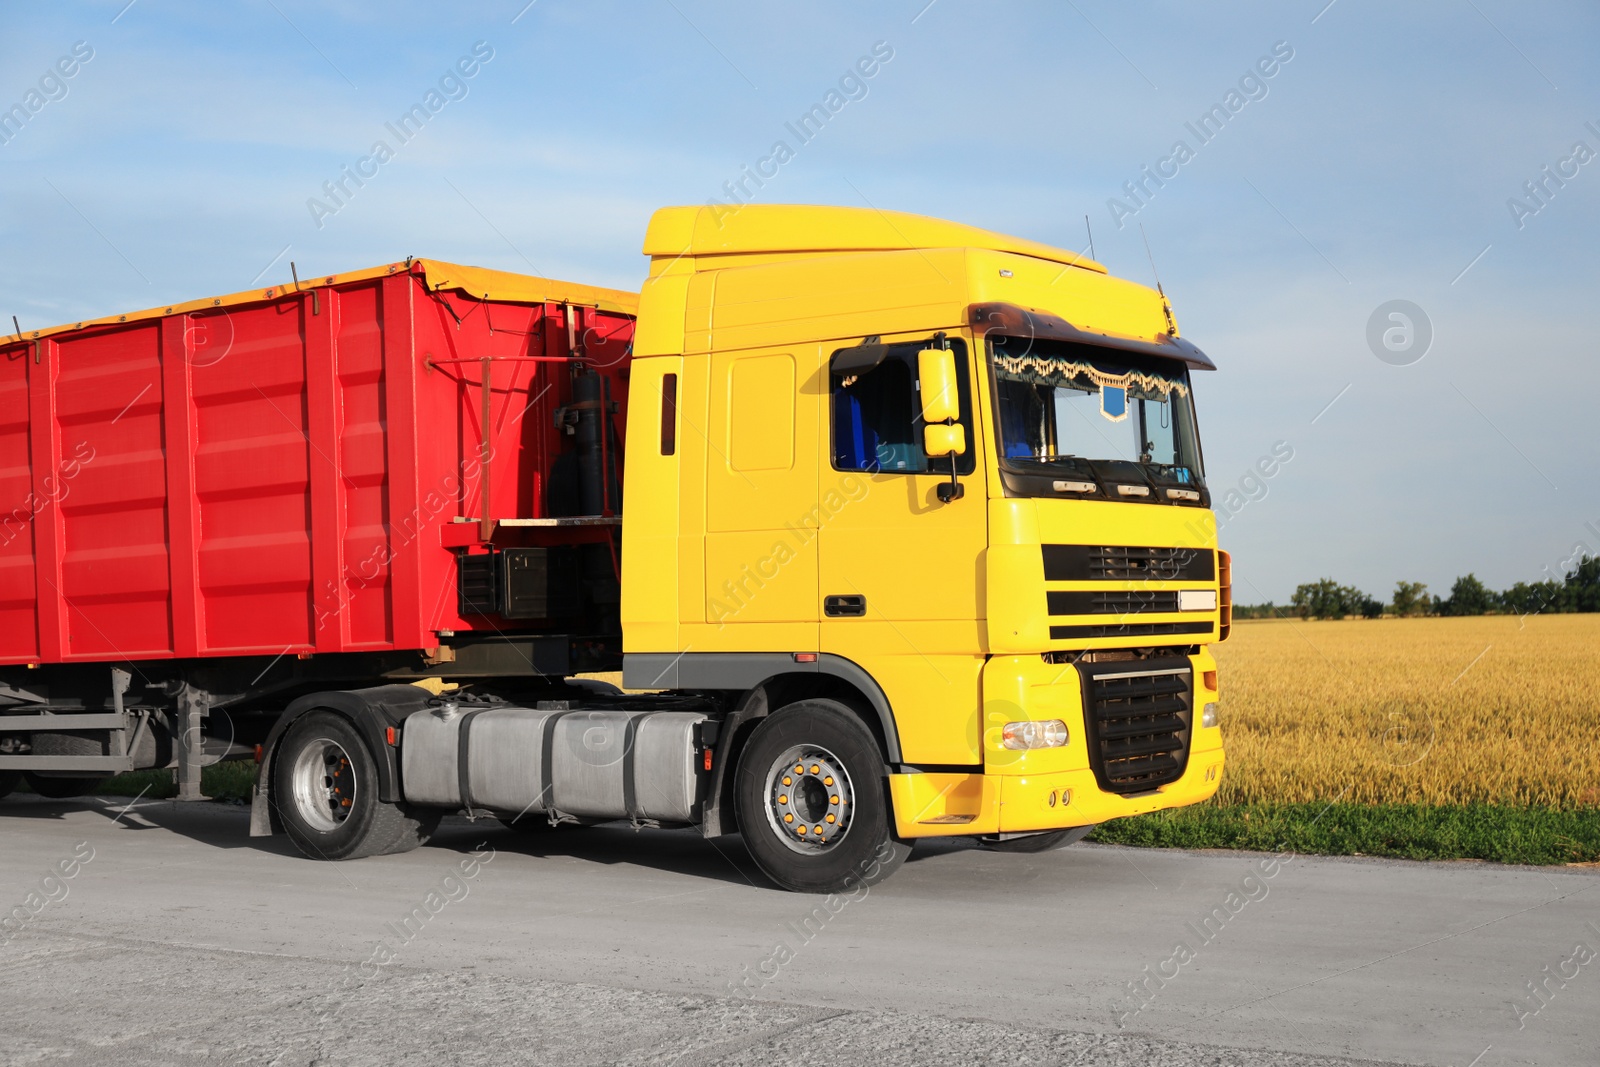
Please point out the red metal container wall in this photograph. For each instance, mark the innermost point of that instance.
(19, 613)
(318, 456)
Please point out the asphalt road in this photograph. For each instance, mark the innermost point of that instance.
(178, 939)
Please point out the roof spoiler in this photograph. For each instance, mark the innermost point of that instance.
(1017, 321)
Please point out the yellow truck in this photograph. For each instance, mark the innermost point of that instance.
(937, 509)
(895, 528)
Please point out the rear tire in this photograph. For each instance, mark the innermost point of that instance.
(325, 789)
(824, 827)
(1045, 842)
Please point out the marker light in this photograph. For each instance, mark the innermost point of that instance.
(1208, 715)
(1050, 734)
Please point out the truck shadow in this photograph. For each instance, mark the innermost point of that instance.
(931, 848)
(679, 851)
(682, 852)
(214, 823)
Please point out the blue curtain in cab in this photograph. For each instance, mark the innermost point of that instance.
(1014, 397)
(872, 422)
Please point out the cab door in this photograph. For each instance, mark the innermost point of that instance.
(901, 577)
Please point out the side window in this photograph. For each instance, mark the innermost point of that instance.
(877, 423)
(669, 414)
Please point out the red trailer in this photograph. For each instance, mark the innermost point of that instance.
(239, 497)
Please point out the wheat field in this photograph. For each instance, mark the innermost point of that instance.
(1432, 711)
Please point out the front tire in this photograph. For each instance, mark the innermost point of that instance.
(811, 800)
(325, 789)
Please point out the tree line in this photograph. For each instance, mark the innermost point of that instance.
(1578, 591)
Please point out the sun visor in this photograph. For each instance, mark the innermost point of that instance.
(858, 360)
(1014, 321)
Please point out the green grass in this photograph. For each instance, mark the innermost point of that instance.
(1501, 834)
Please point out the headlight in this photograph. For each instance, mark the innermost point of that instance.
(1208, 715)
(1050, 734)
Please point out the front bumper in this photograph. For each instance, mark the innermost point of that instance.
(1047, 789)
(933, 805)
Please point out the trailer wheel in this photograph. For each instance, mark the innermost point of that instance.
(812, 805)
(1045, 842)
(326, 791)
(9, 780)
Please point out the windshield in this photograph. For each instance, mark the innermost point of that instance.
(1071, 407)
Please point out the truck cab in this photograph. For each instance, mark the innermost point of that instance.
(942, 480)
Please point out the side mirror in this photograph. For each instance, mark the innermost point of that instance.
(944, 440)
(942, 435)
(936, 371)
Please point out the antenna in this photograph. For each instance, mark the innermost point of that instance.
(1146, 238)
(1090, 230)
(1166, 305)
(18, 325)
(296, 276)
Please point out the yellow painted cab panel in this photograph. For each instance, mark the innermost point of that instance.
(649, 566)
(761, 491)
(935, 695)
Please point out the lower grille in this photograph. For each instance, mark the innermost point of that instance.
(1138, 721)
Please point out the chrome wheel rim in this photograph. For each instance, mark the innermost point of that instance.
(324, 783)
(810, 800)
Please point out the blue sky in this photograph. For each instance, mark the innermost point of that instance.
(1374, 165)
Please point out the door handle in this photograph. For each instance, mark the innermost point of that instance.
(844, 606)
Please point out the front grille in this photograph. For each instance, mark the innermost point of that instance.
(1132, 629)
(1111, 602)
(1093, 563)
(1138, 721)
